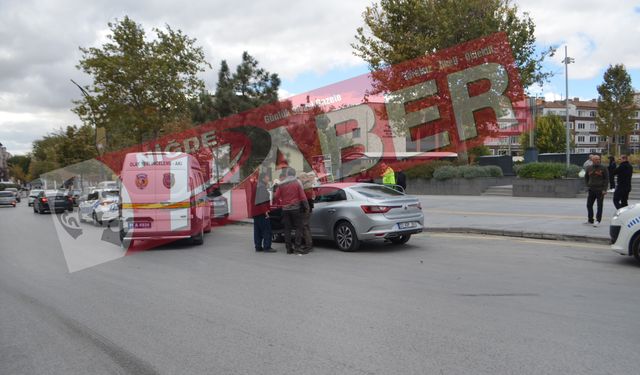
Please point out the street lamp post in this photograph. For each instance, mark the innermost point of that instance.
(567, 60)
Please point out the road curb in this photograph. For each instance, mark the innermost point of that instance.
(522, 234)
(502, 232)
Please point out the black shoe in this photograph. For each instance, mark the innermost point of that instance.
(259, 249)
(289, 251)
(270, 250)
(302, 252)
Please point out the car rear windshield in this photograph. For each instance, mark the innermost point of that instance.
(377, 191)
(6, 194)
(110, 194)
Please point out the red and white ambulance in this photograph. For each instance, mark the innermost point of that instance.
(163, 197)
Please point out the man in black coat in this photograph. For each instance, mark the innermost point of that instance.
(624, 171)
(612, 179)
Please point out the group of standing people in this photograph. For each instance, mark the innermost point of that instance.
(600, 180)
(294, 195)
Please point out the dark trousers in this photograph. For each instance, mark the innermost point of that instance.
(620, 197)
(306, 230)
(261, 232)
(292, 219)
(595, 196)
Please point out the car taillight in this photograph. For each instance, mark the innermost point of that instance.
(377, 209)
(44, 200)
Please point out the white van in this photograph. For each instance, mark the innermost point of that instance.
(163, 198)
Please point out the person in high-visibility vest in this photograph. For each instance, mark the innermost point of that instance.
(388, 175)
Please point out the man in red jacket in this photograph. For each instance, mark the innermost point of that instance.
(290, 196)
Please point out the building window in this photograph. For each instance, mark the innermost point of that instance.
(593, 139)
(634, 138)
(603, 139)
(592, 114)
(580, 113)
(593, 127)
(581, 139)
(581, 126)
(637, 125)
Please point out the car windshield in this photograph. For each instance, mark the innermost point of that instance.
(6, 194)
(379, 191)
(34, 193)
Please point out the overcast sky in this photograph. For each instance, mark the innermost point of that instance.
(307, 44)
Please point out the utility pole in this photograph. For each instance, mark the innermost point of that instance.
(567, 60)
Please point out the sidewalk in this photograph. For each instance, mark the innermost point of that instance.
(547, 218)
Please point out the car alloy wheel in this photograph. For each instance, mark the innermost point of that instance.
(345, 237)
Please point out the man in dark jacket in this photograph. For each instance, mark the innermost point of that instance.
(624, 172)
(597, 180)
(401, 179)
(260, 213)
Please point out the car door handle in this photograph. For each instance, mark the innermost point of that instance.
(331, 210)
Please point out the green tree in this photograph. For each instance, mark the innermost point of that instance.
(139, 86)
(550, 135)
(399, 30)
(249, 87)
(615, 105)
(19, 168)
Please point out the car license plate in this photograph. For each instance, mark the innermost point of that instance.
(410, 224)
(140, 225)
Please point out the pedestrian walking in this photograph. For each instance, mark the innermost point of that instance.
(401, 179)
(597, 180)
(261, 207)
(290, 196)
(612, 167)
(624, 172)
(388, 175)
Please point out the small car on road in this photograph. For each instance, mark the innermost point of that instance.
(351, 213)
(15, 192)
(624, 231)
(33, 194)
(7, 198)
(52, 200)
(100, 206)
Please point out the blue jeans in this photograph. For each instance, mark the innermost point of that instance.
(261, 232)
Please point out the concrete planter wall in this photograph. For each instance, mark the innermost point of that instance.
(560, 188)
(455, 186)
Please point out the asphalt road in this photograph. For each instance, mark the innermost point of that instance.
(442, 304)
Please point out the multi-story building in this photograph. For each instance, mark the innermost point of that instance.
(582, 123)
(4, 168)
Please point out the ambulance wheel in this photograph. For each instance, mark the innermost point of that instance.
(199, 239)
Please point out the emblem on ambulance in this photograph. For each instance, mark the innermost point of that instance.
(142, 180)
(168, 180)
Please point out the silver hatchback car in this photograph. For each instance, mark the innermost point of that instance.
(350, 213)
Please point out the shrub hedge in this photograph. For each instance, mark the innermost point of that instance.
(466, 171)
(548, 171)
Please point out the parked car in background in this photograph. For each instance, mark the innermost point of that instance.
(33, 194)
(52, 201)
(7, 198)
(99, 206)
(108, 185)
(15, 192)
(219, 207)
(349, 214)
